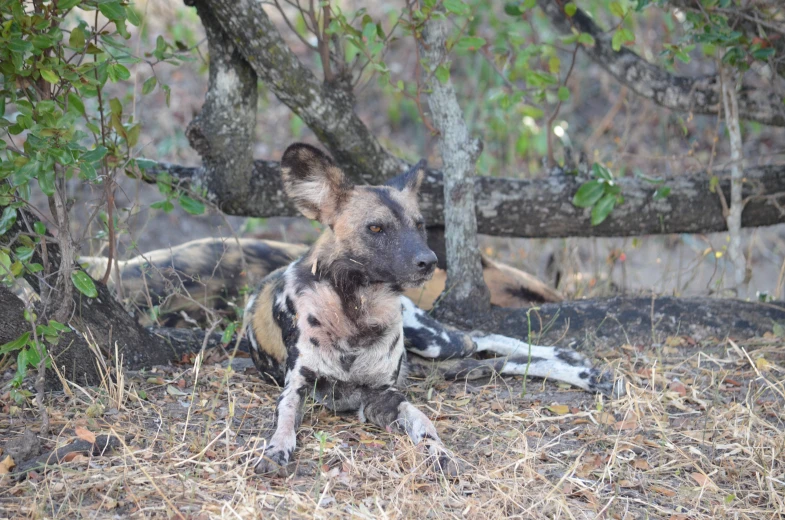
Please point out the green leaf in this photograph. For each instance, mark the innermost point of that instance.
(46, 181)
(563, 93)
(601, 172)
(533, 112)
(763, 54)
(133, 16)
(588, 194)
(116, 107)
(21, 363)
(602, 209)
(118, 72)
(586, 39)
(94, 155)
(7, 219)
(617, 9)
(77, 39)
(75, 103)
(49, 76)
(84, 284)
(470, 43)
(149, 85)
(369, 31)
(32, 357)
(145, 164)
(133, 135)
(456, 7)
(16, 344)
(5, 263)
(164, 205)
(662, 192)
(512, 9)
(442, 73)
(39, 228)
(112, 10)
(64, 5)
(570, 9)
(228, 333)
(617, 40)
(194, 207)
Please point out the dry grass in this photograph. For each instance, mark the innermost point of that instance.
(700, 434)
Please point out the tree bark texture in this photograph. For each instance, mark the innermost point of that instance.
(328, 109)
(731, 109)
(465, 289)
(541, 208)
(224, 132)
(701, 95)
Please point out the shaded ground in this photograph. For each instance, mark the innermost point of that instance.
(700, 434)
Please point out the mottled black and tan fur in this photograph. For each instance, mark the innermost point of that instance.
(334, 324)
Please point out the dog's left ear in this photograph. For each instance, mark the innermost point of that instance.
(411, 180)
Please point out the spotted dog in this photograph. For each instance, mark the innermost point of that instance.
(334, 324)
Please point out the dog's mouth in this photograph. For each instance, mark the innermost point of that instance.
(418, 280)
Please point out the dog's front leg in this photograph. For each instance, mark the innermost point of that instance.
(388, 408)
(288, 416)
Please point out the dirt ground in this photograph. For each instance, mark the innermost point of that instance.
(699, 433)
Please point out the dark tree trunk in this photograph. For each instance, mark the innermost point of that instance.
(102, 319)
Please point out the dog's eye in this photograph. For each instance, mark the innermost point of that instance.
(420, 226)
(375, 229)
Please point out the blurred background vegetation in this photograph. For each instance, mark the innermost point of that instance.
(509, 68)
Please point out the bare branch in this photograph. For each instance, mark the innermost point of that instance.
(701, 95)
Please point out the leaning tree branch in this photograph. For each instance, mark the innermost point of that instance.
(327, 108)
(540, 208)
(701, 95)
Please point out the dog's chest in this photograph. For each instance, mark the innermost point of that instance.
(360, 341)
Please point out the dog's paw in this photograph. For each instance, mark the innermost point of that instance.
(272, 462)
(606, 383)
(445, 462)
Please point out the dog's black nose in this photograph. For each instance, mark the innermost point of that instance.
(425, 261)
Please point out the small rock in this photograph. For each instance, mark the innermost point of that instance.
(23, 446)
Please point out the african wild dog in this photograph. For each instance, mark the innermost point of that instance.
(334, 323)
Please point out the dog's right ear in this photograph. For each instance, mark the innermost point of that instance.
(314, 183)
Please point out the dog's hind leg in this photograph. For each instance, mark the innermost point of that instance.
(582, 376)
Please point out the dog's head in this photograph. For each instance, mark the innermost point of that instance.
(377, 231)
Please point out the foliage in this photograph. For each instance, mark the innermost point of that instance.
(601, 194)
(59, 123)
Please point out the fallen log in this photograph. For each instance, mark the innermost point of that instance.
(541, 208)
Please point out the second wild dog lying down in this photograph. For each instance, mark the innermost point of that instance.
(335, 325)
(212, 272)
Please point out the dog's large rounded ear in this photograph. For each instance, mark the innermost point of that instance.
(411, 180)
(315, 184)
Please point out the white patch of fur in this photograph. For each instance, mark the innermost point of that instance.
(410, 320)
